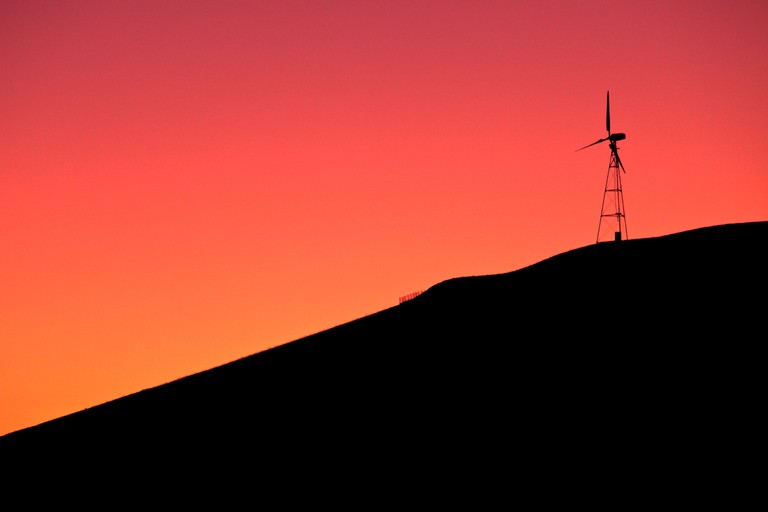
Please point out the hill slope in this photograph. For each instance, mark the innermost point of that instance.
(606, 359)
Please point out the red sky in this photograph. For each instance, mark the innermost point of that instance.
(185, 183)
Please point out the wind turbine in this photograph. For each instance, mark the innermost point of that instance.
(612, 209)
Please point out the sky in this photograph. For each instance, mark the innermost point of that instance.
(186, 183)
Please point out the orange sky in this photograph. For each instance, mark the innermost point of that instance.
(184, 183)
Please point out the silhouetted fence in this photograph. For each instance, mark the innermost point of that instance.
(409, 296)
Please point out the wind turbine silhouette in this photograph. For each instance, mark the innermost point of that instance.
(613, 209)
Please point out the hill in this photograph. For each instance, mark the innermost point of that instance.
(607, 369)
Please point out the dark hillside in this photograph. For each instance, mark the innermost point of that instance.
(617, 366)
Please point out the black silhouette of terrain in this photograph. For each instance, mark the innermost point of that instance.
(625, 367)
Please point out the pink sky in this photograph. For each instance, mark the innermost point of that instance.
(184, 183)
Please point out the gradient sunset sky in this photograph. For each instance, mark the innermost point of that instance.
(185, 183)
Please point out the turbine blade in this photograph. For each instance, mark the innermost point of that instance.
(616, 154)
(608, 112)
(596, 142)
